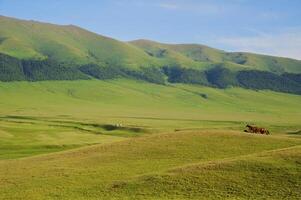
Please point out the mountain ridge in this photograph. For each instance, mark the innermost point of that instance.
(76, 31)
(198, 44)
(205, 53)
(35, 51)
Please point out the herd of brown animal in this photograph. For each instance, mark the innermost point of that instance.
(258, 130)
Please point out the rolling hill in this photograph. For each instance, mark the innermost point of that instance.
(83, 116)
(73, 45)
(235, 60)
(35, 51)
(61, 140)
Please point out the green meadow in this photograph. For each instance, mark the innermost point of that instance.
(128, 139)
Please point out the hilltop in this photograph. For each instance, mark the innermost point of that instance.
(232, 60)
(36, 51)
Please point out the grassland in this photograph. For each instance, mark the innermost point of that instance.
(126, 139)
(197, 165)
(131, 100)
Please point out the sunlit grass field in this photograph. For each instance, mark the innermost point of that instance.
(125, 139)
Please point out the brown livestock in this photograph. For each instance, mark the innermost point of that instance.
(254, 129)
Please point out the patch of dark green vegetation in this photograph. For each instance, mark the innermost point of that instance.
(266, 80)
(205, 96)
(177, 74)
(112, 71)
(238, 58)
(150, 74)
(35, 70)
(294, 77)
(221, 77)
(102, 72)
(12, 69)
(159, 53)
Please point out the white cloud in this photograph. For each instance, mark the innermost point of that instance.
(197, 7)
(171, 6)
(285, 44)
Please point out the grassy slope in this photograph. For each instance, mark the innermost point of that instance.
(78, 110)
(71, 44)
(207, 54)
(164, 53)
(188, 162)
(254, 61)
(65, 44)
(271, 175)
(194, 51)
(95, 99)
(158, 167)
(22, 138)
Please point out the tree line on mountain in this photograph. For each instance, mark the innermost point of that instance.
(13, 69)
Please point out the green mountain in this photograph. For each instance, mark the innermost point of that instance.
(236, 60)
(35, 51)
(34, 40)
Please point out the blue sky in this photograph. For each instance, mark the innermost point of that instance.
(263, 26)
